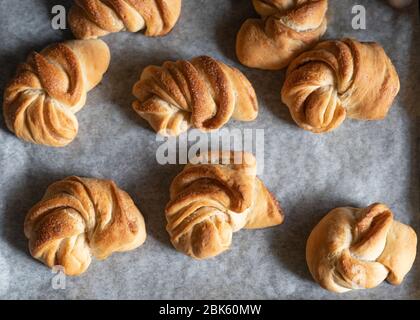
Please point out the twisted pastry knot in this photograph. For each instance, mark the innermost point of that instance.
(41, 100)
(78, 218)
(202, 93)
(218, 195)
(287, 28)
(359, 248)
(90, 19)
(338, 79)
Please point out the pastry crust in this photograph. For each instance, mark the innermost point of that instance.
(337, 79)
(90, 19)
(286, 28)
(41, 100)
(355, 248)
(213, 198)
(79, 218)
(202, 93)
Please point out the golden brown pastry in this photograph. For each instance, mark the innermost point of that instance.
(286, 28)
(202, 93)
(41, 100)
(90, 19)
(79, 218)
(354, 248)
(218, 195)
(338, 79)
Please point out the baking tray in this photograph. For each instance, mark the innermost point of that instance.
(357, 164)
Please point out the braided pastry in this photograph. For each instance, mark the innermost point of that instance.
(90, 19)
(218, 195)
(203, 93)
(400, 4)
(41, 101)
(287, 28)
(78, 218)
(338, 79)
(354, 248)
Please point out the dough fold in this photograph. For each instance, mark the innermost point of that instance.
(202, 93)
(286, 29)
(41, 101)
(353, 248)
(339, 79)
